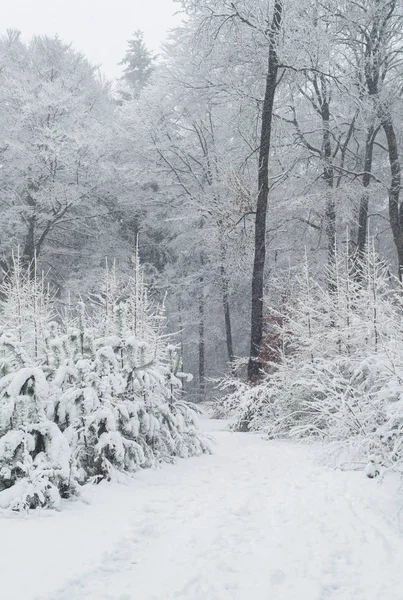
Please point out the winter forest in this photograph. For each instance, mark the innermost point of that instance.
(203, 259)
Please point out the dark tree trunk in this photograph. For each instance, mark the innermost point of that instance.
(395, 209)
(227, 318)
(202, 345)
(375, 41)
(328, 170)
(227, 312)
(29, 249)
(28, 253)
(183, 389)
(254, 366)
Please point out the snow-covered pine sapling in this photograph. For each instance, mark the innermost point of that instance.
(35, 459)
(96, 395)
(13, 355)
(175, 375)
(26, 306)
(89, 381)
(105, 302)
(55, 348)
(76, 401)
(139, 366)
(110, 426)
(34, 456)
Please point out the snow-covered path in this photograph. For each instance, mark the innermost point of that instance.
(256, 521)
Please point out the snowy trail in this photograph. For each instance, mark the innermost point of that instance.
(256, 521)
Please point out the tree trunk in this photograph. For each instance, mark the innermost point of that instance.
(227, 318)
(328, 173)
(254, 366)
(366, 180)
(183, 389)
(202, 345)
(28, 253)
(227, 312)
(395, 210)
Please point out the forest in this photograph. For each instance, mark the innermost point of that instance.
(231, 209)
(202, 259)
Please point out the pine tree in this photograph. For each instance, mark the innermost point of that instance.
(35, 458)
(92, 394)
(139, 65)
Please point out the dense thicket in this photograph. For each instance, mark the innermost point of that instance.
(89, 394)
(335, 371)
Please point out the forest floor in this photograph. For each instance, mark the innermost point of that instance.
(257, 520)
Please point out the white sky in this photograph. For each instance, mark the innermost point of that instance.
(97, 28)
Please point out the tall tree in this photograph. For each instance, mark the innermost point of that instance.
(139, 65)
(55, 114)
(374, 38)
(254, 366)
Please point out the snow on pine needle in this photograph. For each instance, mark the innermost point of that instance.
(92, 394)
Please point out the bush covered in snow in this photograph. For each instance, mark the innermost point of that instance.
(87, 395)
(340, 376)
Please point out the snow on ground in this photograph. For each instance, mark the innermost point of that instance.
(257, 520)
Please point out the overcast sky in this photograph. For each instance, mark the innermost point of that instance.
(98, 28)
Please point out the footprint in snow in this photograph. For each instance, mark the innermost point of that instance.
(277, 577)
